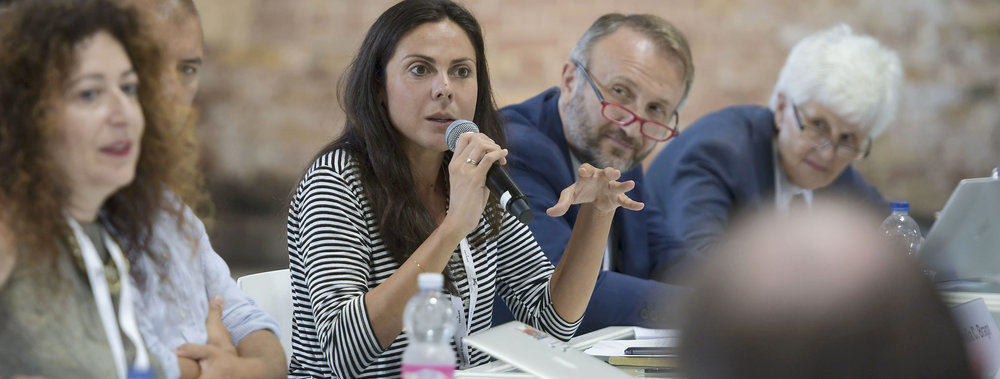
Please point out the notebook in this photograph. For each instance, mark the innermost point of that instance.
(540, 354)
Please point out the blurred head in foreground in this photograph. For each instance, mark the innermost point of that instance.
(816, 294)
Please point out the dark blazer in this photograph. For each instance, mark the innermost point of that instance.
(724, 164)
(539, 161)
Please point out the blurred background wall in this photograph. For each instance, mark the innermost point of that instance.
(268, 98)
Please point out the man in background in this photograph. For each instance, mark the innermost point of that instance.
(620, 93)
(837, 91)
(241, 339)
(177, 28)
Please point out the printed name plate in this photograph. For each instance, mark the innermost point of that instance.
(982, 339)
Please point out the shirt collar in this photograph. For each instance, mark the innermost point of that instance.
(784, 189)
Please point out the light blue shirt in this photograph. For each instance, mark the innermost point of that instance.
(174, 304)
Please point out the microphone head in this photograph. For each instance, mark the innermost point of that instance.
(456, 129)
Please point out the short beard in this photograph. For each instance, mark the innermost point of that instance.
(585, 140)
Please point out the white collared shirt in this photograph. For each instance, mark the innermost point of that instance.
(784, 189)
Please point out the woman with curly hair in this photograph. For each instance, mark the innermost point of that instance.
(95, 175)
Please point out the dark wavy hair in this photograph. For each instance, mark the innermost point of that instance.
(369, 136)
(38, 41)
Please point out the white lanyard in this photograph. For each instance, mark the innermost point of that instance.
(126, 313)
(465, 321)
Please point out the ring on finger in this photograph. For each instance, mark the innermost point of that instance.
(471, 161)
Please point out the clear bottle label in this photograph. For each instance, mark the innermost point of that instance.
(411, 371)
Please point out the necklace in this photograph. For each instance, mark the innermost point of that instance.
(110, 271)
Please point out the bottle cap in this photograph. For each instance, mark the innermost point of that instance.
(899, 206)
(430, 281)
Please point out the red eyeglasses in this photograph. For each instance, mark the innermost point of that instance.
(623, 117)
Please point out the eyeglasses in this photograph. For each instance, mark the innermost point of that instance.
(623, 117)
(820, 138)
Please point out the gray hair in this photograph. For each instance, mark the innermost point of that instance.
(851, 74)
(656, 28)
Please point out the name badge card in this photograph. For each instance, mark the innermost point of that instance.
(982, 339)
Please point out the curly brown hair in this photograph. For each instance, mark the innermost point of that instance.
(38, 41)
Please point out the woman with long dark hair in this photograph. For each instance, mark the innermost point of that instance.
(386, 202)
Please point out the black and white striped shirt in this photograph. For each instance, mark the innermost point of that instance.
(336, 256)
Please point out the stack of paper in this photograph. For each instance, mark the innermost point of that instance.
(614, 350)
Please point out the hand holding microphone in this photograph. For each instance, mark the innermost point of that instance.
(476, 152)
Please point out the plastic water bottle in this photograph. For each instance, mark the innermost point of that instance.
(429, 322)
(900, 229)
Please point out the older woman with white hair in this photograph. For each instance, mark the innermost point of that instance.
(837, 91)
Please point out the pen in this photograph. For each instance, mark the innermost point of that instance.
(651, 350)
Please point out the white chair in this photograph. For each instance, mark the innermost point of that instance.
(272, 290)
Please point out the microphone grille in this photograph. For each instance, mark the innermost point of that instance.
(456, 129)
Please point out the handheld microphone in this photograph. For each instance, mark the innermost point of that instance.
(497, 178)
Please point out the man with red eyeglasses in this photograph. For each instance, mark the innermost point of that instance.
(620, 94)
(837, 91)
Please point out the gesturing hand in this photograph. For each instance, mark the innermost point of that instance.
(598, 187)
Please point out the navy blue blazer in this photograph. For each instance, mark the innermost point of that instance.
(539, 161)
(721, 165)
